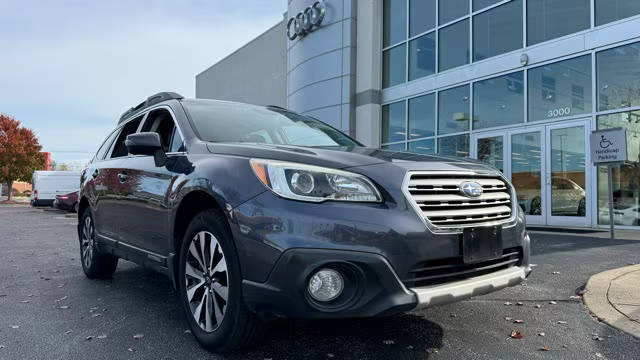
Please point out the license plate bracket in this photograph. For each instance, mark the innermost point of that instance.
(481, 243)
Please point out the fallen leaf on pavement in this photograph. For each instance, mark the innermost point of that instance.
(62, 299)
(388, 342)
(68, 332)
(598, 355)
(508, 318)
(330, 355)
(131, 350)
(518, 321)
(432, 350)
(556, 272)
(598, 338)
(542, 334)
(64, 307)
(516, 334)
(101, 337)
(562, 322)
(409, 347)
(537, 306)
(575, 297)
(519, 303)
(89, 337)
(552, 302)
(15, 326)
(544, 348)
(25, 301)
(187, 331)
(138, 336)
(508, 303)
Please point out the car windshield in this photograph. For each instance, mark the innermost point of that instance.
(218, 121)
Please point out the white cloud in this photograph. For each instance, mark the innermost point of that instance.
(68, 71)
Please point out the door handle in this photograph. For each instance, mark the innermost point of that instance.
(122, 177)
(95, 173)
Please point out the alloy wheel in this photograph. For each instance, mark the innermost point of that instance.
(88, 242)
(207, 281)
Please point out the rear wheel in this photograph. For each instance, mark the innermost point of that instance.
(210, 286)
(94, 264)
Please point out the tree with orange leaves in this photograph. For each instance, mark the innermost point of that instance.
(19, 152)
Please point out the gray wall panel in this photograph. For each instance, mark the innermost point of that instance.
(255, 73)
(317, 95)
(319, 68)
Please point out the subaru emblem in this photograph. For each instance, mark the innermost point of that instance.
(471, 189)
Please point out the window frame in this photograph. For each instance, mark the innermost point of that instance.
(175, 125)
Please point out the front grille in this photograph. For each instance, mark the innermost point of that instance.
(443, 205)
(436, 272)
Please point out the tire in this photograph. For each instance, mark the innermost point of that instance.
(222, 325)
(582, 207)
(94, 264)
(536, 206)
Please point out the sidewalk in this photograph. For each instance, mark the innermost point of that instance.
(614, 297)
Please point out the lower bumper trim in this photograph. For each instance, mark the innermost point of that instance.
(460, 290)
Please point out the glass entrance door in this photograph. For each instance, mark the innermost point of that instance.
(566, 179)
(547, 167)
(527, 172)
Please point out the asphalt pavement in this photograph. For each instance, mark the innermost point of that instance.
(49, 310)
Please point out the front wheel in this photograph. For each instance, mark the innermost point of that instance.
(210, 286)
(94, 264)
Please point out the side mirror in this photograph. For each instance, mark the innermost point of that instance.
(147, 143)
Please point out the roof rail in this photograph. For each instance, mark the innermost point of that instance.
(277, 107)
(151, 100)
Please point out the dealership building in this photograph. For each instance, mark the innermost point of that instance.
(518, 84)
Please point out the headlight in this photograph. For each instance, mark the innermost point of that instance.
(314, 183)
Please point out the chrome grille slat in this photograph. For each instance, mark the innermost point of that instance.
(439, 199)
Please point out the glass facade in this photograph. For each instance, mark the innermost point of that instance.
(453, 110)
(422, 116)
(531, 122)
(560, 89)
(497, 31)
(550, 19)
(394, 124)
(612, 10)
(498, 101)
(625, 178)
(450, 56)
(498, 28)
(422, 56)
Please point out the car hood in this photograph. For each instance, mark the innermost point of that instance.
(348, 157)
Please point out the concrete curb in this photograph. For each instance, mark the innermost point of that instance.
(597, 299)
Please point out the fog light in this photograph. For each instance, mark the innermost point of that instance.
(326, 285)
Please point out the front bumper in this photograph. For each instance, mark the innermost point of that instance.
(475, 286)
(376, 288)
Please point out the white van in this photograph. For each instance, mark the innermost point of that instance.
(48, 184)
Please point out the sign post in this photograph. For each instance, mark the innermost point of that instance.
(609, 147)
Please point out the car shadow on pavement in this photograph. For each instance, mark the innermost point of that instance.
(405, 336)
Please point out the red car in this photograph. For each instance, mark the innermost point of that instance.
(67, 202)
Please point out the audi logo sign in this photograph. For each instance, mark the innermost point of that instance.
(306, 21)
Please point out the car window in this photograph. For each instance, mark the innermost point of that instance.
(161, 122)
(106, 145)
(177, 144)
(119, 147)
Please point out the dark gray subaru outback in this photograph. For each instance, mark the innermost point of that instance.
(257, 212)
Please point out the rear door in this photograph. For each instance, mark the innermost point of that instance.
(95, 187)
(150, 186)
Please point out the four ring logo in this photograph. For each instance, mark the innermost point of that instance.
(306, 20)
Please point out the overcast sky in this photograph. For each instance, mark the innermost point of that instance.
(68, 69)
